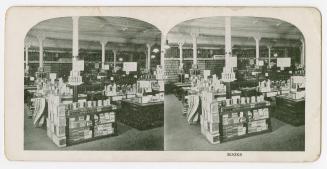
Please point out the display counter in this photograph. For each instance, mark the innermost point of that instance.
(290, 110)
(69, 98)
(142, 115)
(78, 122)
(232, 119)
(179, 84)
(95, 95)
(181, 89)
(30, 87)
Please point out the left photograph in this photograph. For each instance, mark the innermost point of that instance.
(93, 83)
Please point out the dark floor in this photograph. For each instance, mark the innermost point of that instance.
(128, 139)
(179, 135)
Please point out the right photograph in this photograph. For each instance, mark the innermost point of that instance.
(235, 84)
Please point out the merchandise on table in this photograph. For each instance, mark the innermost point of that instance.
(233, 118)
(81, 121)
(39, 111)
(150, 90)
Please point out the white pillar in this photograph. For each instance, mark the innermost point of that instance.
(148, 57)
(257, 48)
(228, 74)
(115, 52)
(41, 40)
(302, 52)
(195, 50)
(269, 56)
(228, 41)
(75, 36)
(103, 52)
(163, 51)
(180, 46)
(27, 46)
(131, 57)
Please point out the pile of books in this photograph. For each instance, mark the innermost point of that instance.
(56, 121)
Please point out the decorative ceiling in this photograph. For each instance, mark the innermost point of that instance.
(132, 34)
(211, 30)
(120, 32)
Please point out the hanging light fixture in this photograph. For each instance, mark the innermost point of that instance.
(153, 56)
(120, 59)
(155, 48)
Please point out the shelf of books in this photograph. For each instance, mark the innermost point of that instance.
(78, 122)
(227, 120)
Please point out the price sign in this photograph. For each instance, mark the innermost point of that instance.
(106, 67)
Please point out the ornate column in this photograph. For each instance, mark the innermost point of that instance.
(148, 59)
(180, 46)
(41, 39)
(228, 75)
(162, 46)
(27, 46)
(75, 36)
(257, 48)
(269, 55)
(285, 52)
(115, 55)
(103, 52)
(195, 50)
(302, 52)
(75, 79)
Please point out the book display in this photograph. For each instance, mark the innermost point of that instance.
(235, 118)
(77, 122)
(39, 106)
(150, 88)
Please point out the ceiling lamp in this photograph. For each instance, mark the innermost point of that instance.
(275, 54)
(153, 56)
(124, 28)
(120, 59)
(155, 48)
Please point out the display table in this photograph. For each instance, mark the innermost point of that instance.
(290, 110)
(28, 93)
(95, 95)
(181, 89)
(69, 98)
(240, 121)
(31, 88)
(78, 122)
(101, 123)
(141, 115)
(179, 84)
(249, 91)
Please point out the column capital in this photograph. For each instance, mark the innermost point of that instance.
(103, 42)
(269, 46)
(40, 37)
(148, 45)
(257, 37)
(28, 42)
(180, 44)
(194, 35)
